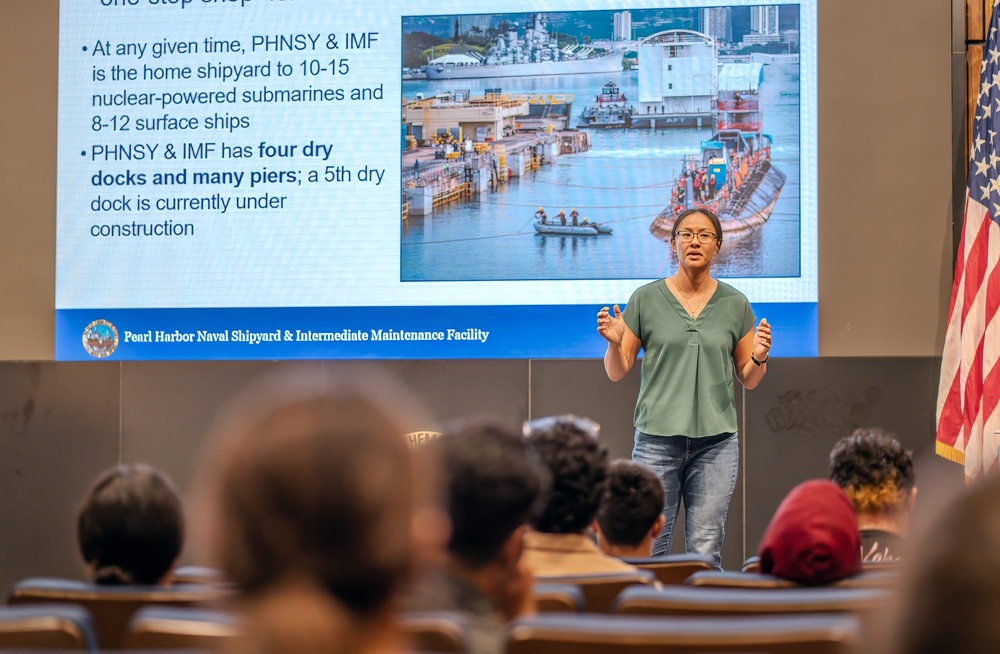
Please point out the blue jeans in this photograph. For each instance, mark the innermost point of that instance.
(702, 471)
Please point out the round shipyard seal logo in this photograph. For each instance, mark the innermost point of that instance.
(100, 339)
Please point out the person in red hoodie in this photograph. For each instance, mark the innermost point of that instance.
(813, 537)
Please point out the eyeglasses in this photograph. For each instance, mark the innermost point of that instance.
(704, 238)
(586, 425)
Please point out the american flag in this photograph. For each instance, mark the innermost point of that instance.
(968, 419)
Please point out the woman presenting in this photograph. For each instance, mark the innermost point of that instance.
(694, 330)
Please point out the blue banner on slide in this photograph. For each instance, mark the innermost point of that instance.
(469, 332)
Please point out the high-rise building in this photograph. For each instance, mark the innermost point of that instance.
(764, 20)
(763, 25)
(623, 26)
(717, 22)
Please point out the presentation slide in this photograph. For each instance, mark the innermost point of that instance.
(289, 179)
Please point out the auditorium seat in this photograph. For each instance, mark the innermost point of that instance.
(197, 574)
(436, 631)
(752, 564)
(625, 634)
(172, 627)
(886, 566)
(599, 591)
(558, 598)
(51, 627)
(111, 607)
(692, 601)
(673, 569)
(874, 579)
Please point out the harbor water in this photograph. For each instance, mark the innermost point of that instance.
(624, 181)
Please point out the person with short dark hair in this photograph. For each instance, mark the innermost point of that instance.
(877, 474)
(558, 545)
(130, 527)
(492, 486)
(631, 513)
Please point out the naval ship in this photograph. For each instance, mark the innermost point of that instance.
(536, 53)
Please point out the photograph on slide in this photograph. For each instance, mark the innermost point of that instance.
(562, 145)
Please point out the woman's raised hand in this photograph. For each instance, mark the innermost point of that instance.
(612, 328)
(762, 341)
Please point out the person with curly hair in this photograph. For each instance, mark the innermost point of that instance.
(558, 544)
(877, 474)
(631, 513)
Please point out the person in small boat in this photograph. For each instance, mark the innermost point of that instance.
(541, 217)
(562, 217)
(575, 215)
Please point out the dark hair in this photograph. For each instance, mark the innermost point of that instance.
(952, 597)
(874, 469)
(130, 527)
(632, 502)
(492, 486)
(315, 484)
(708, 213)
(578, 464)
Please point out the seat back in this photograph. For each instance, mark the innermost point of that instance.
(726, 579)
(171, 627)
(752, 564)
(55, 627)
(673, 569)
(558, 598)
(436, 631)
(590, 634)
(197, 574)
(866, 579)
(600, 590)
(111, 607)
(692, 600)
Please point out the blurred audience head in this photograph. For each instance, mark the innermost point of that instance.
(952, 597)
(130, 527)
(493, 486)
(877, 474)
(568, 446)
(813, 537)
(317, 508)
(631, 512)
